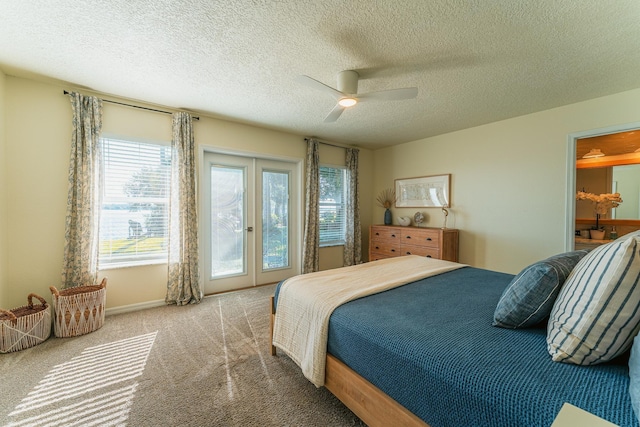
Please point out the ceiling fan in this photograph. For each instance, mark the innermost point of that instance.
(347, 92)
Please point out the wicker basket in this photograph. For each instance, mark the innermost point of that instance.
(25, 326)
(78, 310)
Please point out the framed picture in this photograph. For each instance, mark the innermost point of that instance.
(423, 192)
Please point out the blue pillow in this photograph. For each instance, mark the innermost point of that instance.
(530, 296)
(634, 376)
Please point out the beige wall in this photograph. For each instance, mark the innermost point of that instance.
(3, 198)
(509, 179)
(38, 135)
(38, 130)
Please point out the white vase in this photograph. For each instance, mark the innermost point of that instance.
(597, 234)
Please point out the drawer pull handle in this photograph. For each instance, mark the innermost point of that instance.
(393, 250)
(377, 247)
(408, 253)
(377, 234)
(428, 256)
(393, 235)
(428, 239)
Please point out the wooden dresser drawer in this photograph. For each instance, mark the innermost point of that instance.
(427, 251)
(386, 249)
(385, 233)
(412, 236)
(374, 256)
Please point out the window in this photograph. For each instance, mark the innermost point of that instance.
(332, 205)
(275, 219)
(135, 202)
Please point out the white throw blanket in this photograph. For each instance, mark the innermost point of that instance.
(305, 303)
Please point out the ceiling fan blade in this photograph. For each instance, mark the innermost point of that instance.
(334, 114)
(315, 84)
(391, 94)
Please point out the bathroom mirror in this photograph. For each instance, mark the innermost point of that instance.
(624, 179)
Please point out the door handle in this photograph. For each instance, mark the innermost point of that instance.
(249, 228)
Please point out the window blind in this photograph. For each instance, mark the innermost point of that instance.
(135, 201)
(332, 205)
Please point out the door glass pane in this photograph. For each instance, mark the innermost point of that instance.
(227, 221)
(275, 220)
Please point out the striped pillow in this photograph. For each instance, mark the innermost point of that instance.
(597, 314)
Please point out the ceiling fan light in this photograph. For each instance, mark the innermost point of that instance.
(595, 152)
(347, 102)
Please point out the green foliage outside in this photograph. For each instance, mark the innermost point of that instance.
(275, 197)
(331, 189)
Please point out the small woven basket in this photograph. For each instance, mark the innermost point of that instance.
(25, 326)
(78, 310)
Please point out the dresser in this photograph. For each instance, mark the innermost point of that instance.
(386, 241)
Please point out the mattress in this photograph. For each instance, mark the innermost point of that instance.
(431, 347)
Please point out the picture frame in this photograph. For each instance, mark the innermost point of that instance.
(424, 192)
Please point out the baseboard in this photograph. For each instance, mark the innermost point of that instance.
(159, 303)
(134, 307)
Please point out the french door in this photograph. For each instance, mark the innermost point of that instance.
(250, 224)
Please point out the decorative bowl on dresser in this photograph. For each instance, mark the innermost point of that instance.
(386, 241)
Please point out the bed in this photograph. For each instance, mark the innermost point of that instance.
(426, 353)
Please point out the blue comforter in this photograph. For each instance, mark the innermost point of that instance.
(431, 347)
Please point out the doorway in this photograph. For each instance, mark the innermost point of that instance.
(250, 225)
(572, 153)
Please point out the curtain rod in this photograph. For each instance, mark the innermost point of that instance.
(135, 106)
(327, 143)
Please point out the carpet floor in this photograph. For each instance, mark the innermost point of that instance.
(199, 365)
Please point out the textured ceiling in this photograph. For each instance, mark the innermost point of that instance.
(473, 61)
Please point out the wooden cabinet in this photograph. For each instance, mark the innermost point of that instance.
(386, 241)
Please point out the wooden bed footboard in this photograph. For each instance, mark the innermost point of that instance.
(369, 403)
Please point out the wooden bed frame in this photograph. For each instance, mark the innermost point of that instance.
(369, 403)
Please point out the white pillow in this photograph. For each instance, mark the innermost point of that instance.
(597, 313)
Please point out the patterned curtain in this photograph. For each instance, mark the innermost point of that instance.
(311, 244)
(183, 285)
(353, 233)
(82, 223)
